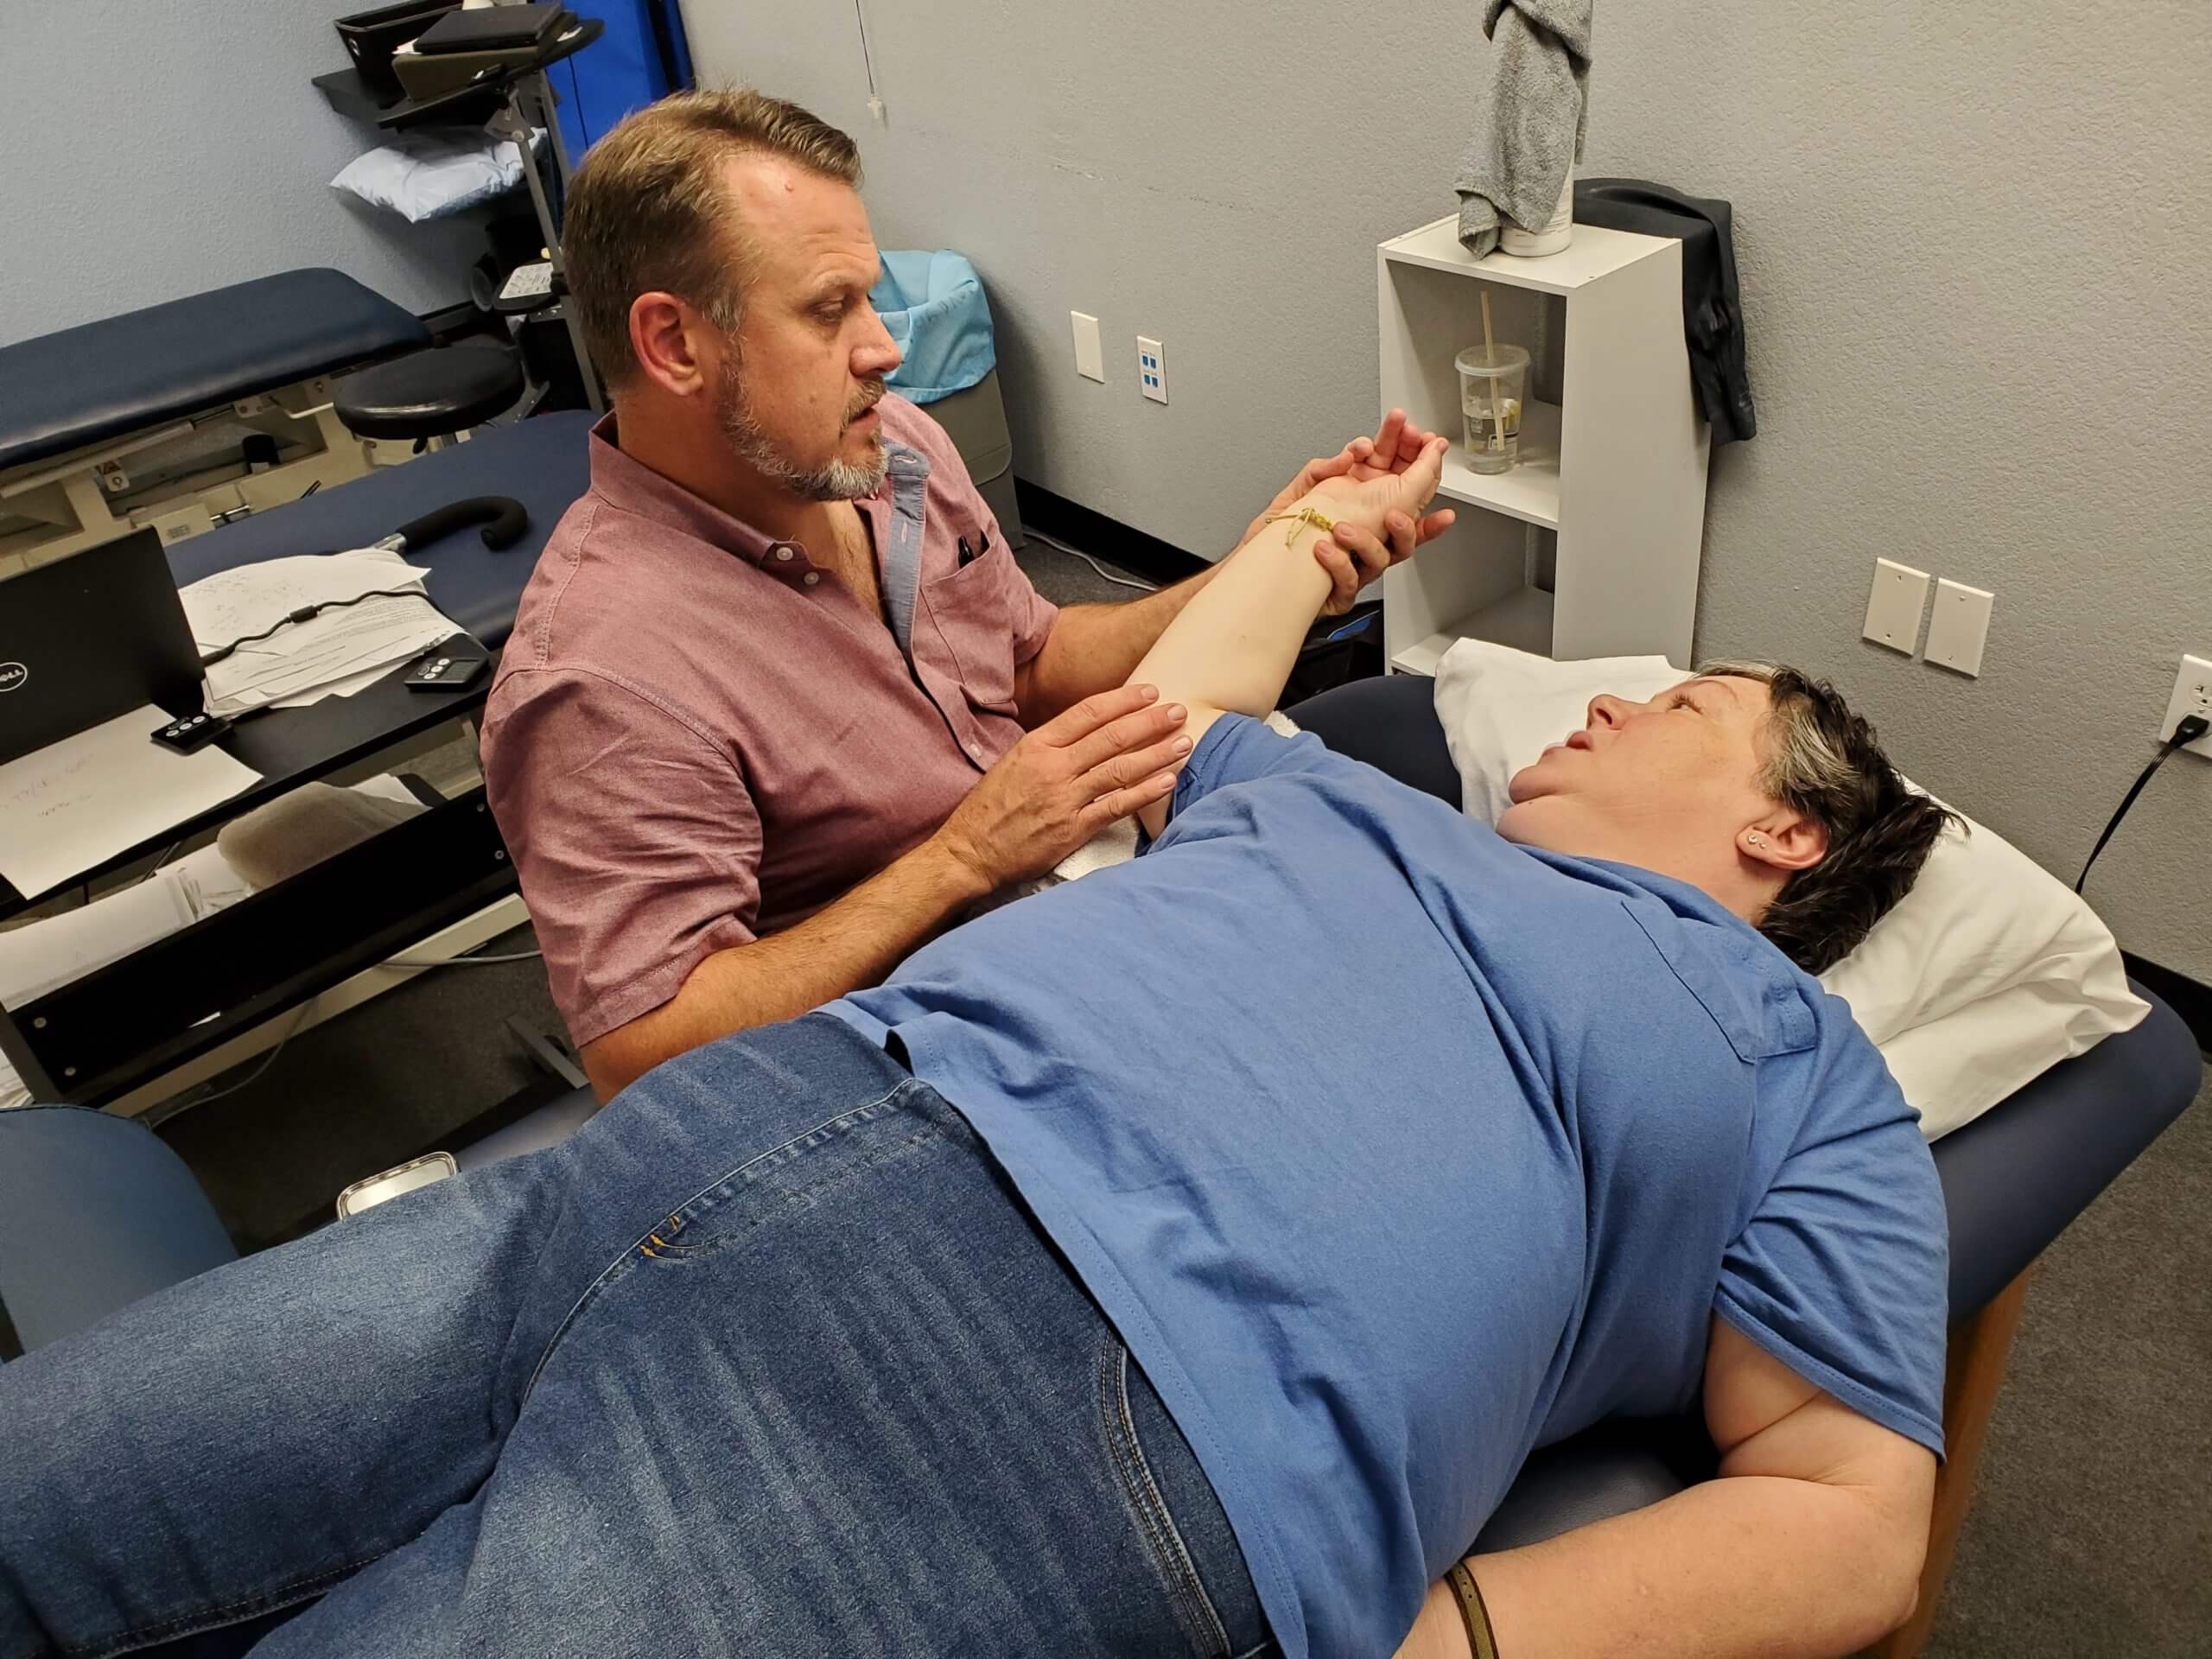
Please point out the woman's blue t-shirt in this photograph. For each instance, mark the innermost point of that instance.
(1395, 1150)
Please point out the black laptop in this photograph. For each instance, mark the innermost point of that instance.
(90, 637)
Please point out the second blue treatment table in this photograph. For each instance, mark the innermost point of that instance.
(174, 414)
(543, 463)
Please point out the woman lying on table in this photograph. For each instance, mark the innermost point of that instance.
(1185, 1260)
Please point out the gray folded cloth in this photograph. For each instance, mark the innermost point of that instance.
(1526, 144)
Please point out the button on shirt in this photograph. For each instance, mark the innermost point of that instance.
(695, 739)
(1394, 1150)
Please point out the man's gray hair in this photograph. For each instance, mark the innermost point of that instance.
(1822, 759)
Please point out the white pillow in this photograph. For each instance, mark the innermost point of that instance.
(1985, 975)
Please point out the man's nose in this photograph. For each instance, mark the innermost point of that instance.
(1609, 711)
(877, 353)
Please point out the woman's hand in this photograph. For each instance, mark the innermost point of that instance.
(1355, 556)
(1375, 498)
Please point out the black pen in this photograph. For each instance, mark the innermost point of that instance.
(966, 558)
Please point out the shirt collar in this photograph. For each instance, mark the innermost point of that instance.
(628, 485)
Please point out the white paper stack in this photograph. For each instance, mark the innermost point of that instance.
(332, 654)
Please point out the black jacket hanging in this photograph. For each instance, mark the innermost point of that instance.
(1712, 316)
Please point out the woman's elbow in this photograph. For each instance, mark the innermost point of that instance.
(1894, 1555)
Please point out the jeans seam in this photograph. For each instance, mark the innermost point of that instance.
(667, 1252)
(1141, 1497)
(630, 1251)
(230, 1612)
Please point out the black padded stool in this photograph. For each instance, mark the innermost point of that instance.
(429, 394)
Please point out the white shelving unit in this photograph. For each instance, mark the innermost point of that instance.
(1590, 546)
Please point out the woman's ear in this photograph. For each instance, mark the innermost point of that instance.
(1785, 841)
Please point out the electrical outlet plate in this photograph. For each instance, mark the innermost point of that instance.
(1151, 369)
(2192, 695)
(1090, 356)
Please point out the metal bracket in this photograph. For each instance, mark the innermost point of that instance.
(549, 1051)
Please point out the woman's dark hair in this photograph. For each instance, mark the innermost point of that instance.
(1823, 760)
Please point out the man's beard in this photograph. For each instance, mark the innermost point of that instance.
(836, 479)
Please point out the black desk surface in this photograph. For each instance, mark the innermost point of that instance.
(291, 747)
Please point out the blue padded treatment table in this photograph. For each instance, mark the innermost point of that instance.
(543, 463)
(120, 375)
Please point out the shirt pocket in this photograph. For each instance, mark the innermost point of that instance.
(971, 609)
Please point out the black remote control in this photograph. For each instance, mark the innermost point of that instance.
(446, 673)
(193, 732)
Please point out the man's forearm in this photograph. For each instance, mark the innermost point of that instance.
(1747, 1565)
(1094, 648)
(842, 947)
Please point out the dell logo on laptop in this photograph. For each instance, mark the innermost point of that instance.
(12, 674)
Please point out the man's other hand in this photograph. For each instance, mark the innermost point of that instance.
(1098, 763)
(1355, 556)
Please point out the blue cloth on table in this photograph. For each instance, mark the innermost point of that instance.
(933, 305)
(104, 379)
(543, 463)
(1395, 1151)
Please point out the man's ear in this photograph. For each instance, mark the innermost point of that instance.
(666, 338)
(1785, 841)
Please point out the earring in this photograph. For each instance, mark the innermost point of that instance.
(1758, 841)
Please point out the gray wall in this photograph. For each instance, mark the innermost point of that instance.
(151, 149)
(1974, 238)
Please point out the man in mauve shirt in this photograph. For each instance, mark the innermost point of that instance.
(779, 703)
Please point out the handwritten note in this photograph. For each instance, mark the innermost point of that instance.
(74, 804)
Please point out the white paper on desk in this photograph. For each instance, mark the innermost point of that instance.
(248, 598)
(73, 805)
(324, 650)
(345, 688)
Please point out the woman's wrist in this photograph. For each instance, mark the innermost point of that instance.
(1439, 1632)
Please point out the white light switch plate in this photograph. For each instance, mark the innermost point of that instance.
(1090, 356)
(1959, 627)
(1893, 608)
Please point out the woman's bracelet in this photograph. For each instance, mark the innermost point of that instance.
(1319, 520)
(1472, 1612)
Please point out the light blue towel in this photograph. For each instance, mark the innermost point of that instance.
(933, 305)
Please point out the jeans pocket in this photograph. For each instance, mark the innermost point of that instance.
(1176, 1514)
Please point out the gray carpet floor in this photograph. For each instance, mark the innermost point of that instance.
(2092, 1531)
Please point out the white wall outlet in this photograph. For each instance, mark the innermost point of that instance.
(1090, 356)
(1960, 627)
(1893, 608)
(2192, 695)
(1151, 369)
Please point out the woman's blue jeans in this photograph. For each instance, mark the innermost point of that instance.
(768, 1360)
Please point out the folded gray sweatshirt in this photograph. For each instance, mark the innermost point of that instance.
(1525, 146)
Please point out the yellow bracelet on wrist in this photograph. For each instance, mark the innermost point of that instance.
(1319, 520)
